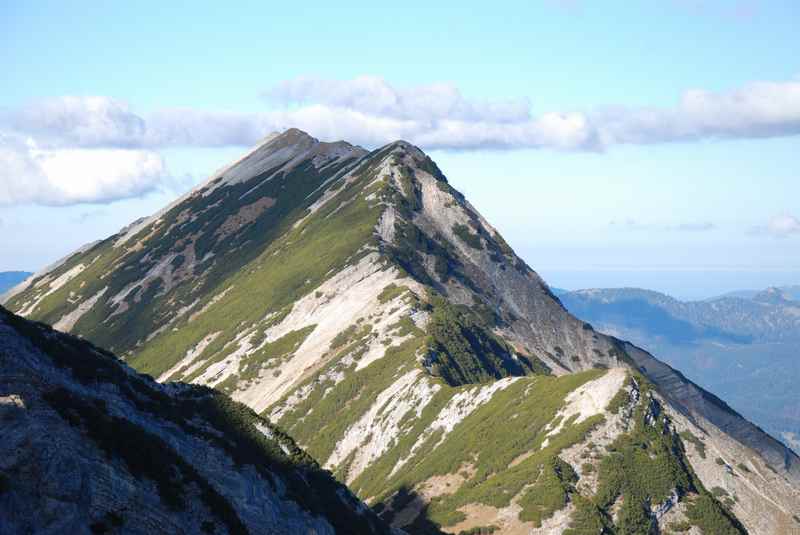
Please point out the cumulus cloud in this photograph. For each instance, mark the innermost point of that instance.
(29, 174)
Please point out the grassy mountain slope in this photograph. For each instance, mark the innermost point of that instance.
(388, 327)
(89, 445)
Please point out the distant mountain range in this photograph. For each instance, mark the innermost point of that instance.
(9, 279)
(744, 346)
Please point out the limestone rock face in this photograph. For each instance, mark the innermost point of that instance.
(360, 302)
(89, 446)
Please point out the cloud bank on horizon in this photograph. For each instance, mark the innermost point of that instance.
(71, 149)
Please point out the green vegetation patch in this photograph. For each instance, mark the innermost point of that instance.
(342, 337)
(622, 397)
(550, 493)
(463, 350)
(706, 513)
(588, 518)
(463, 232)
(645, 466)
(391, 292)
(743, 468)
(681, 526)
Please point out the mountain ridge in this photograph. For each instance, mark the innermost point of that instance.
(91, 446)
(363, 304)
(9, 279)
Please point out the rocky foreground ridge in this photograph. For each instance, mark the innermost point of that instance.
(89, 446)
(360, 302)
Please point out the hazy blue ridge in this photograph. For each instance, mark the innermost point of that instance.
(9, 279)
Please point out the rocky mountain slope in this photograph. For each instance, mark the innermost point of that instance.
(745, 349)
(362, 303)
(89, 446)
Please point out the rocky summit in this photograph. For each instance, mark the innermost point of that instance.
(359, 302)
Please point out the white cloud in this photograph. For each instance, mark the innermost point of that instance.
(104, 122)
(761, 109)
(783, 225)
(375, 96)
(79, 122)
(370, 111)
(199, 128)
(29, 174)
(96, 149)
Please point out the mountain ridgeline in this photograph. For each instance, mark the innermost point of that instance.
(361, 303)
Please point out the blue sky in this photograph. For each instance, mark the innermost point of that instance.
(613, 143)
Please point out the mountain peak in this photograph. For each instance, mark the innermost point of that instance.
(363, 304)
(774, 296)
(402, 147)
(282, 152)
(293, 136)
